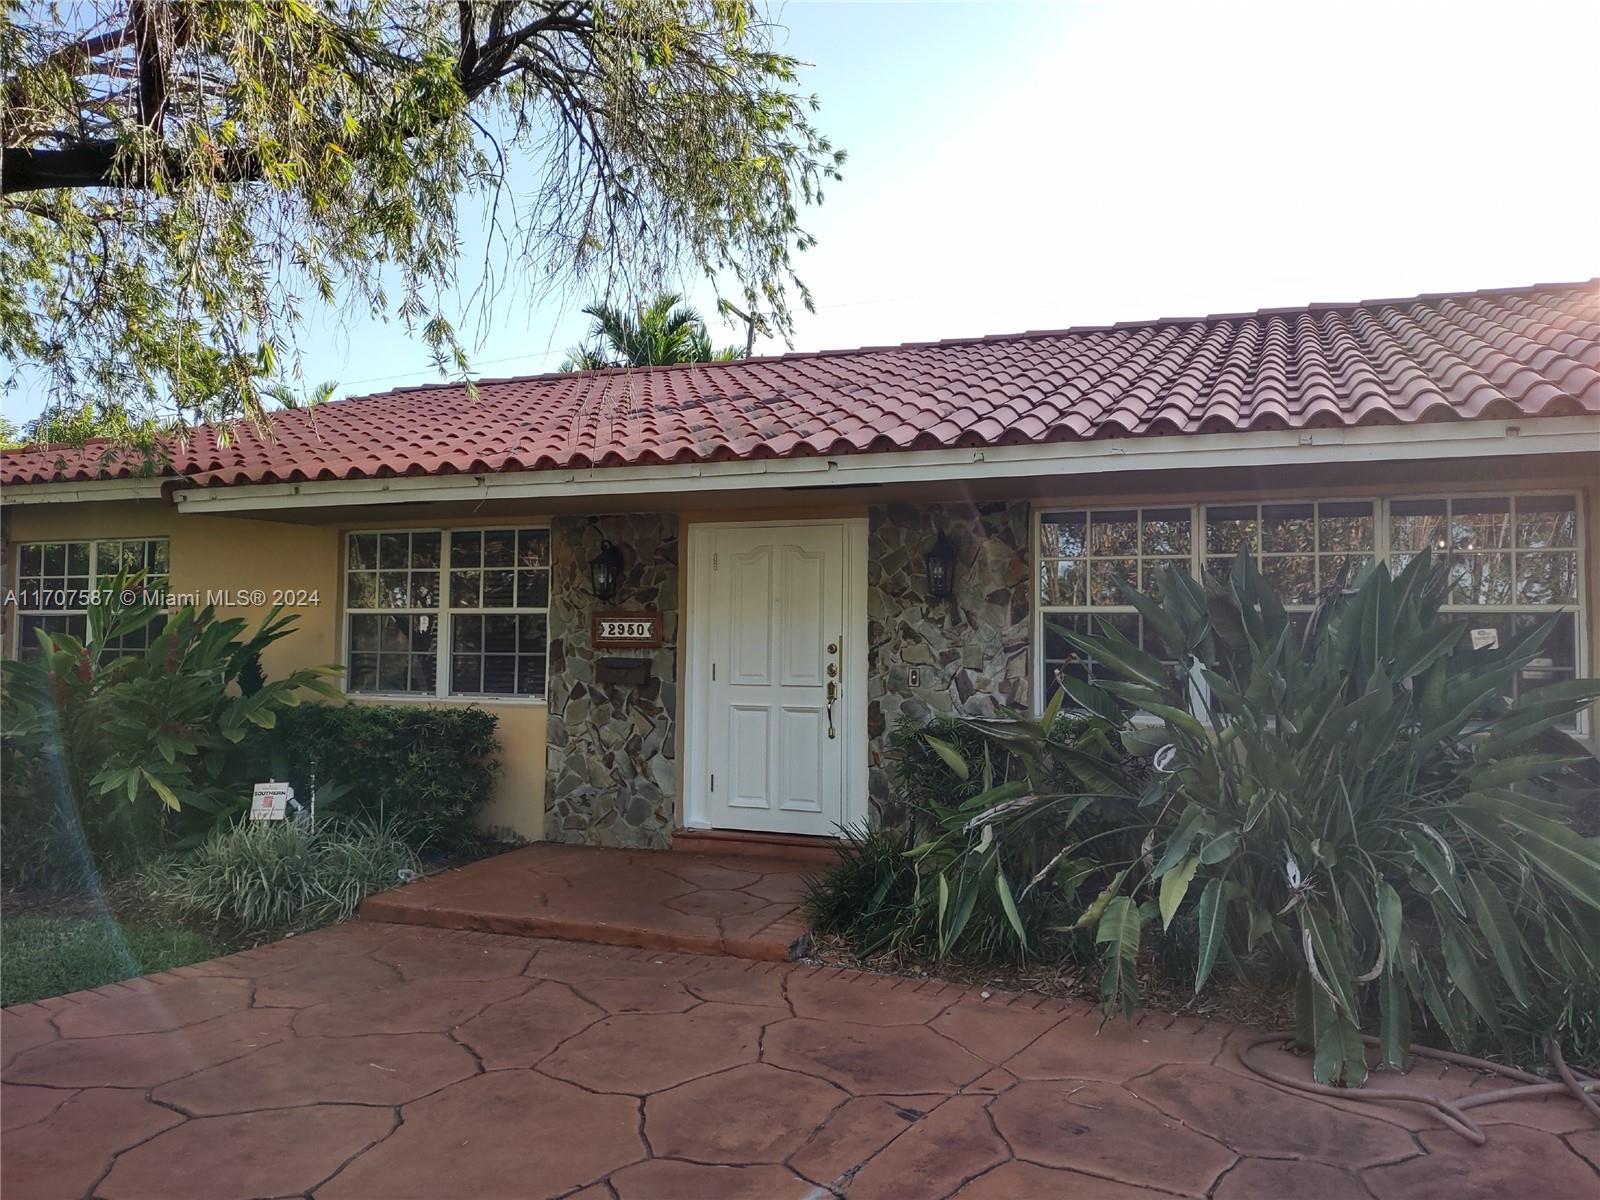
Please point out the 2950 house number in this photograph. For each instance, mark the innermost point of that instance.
(626, 629)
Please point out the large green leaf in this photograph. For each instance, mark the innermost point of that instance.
(1156, 616)
(1119, 931)
(1340, 1056)
(1010, 906)
(1178, 718)
(1091, 698)
(1174, 886)
(1181, 839)
(1377, 618)
(1427, 649)
(1097, 907)
(1464, 973)
(1391, 919)
(1330, 957)
(998, 794)
(1507, 771)
(966, 899)
(1213, 916)
(1122, 657)
(951, 757)
(1431, 858)
(1569, 860)
(1500, 932)
(168, 796)
(1394, 1018)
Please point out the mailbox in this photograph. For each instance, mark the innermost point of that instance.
(630, 672)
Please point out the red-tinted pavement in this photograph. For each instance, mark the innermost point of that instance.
(387, 1061)
(718, 903)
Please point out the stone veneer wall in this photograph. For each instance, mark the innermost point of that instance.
(973, 647)
(611, 770)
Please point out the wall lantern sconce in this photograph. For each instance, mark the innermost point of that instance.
(605, 570)
(941, 565)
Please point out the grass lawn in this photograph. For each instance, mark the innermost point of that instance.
(46, 956)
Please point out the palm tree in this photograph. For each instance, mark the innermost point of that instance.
(659, 333)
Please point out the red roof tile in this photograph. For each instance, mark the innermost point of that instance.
(1516, 352)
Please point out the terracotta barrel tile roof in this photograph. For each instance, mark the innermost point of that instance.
(1522, 352)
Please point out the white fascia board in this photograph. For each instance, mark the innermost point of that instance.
(1386, 443)
(80, 491)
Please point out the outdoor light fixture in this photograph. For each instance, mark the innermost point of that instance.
(941, 564)
(605, 569)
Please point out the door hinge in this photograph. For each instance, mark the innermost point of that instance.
(713, 672)
(714, 559)
(713, 781)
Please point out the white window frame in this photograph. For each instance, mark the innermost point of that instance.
(1042, 611)
(445, 615)
(19, 613)
(1378, 551)
(1381, 553)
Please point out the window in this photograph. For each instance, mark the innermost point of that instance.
(1305, 549)
(1513, 561)
(57, 580)
(1085, 555)
(460, 612)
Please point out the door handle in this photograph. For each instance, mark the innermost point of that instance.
(833, 683)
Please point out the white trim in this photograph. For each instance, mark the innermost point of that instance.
(697, 676)
(70, 491)
(1380, 443)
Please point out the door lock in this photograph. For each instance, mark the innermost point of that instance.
(833, 647)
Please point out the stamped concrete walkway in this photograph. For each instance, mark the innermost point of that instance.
(385, 1062)
(697, 903)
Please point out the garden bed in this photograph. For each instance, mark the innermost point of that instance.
(1233, 1001)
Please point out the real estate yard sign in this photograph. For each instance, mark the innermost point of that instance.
(270, 801)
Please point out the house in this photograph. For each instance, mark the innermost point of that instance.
(701, 596)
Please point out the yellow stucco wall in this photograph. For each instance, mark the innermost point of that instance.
(240, 556)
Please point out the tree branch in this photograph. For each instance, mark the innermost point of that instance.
(152, 69)
(94, 164)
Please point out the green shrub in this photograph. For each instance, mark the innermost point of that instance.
(259, 879)
(41, 841)
(938, 884)
(924, 778)
(125, 753)
(865, 896)
(1361, 804)
(425, 771)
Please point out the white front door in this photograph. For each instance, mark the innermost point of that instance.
(776, 736)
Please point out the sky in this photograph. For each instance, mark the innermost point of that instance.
(1038, 165)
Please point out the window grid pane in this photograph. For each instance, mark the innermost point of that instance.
(1511, 561)
(1305, 548)
(1512, 564)
(146, 557)
(1084, 555)
(56, 580)
(499, 595)
(392, 607)
(493, 587)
